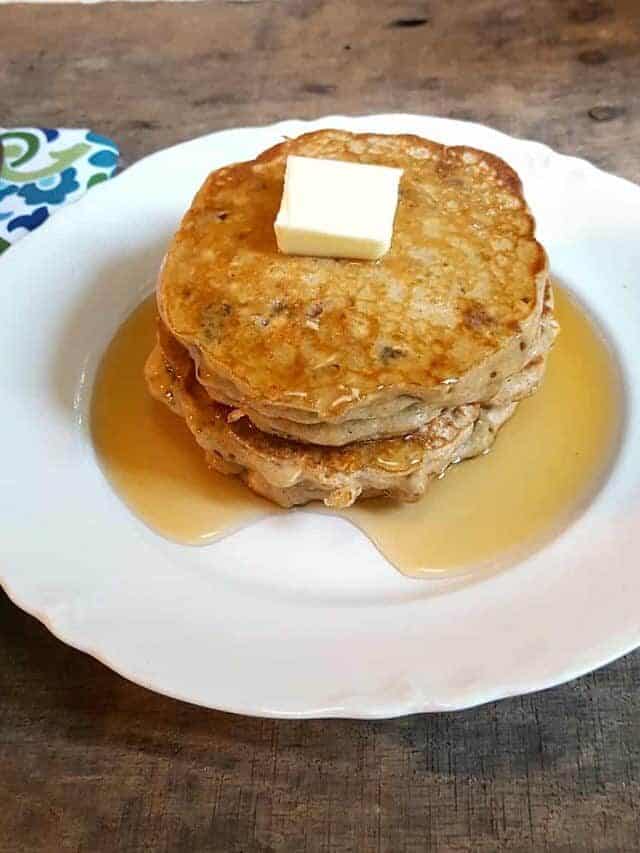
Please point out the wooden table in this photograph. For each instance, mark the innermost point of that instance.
(89, 762)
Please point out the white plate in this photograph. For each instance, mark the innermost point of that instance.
(297, 615)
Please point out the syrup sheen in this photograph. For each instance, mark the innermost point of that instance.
(545, 465)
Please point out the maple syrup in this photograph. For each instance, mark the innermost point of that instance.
(149, 455)
(546, 463)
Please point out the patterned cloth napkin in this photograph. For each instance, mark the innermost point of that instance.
(44, 169)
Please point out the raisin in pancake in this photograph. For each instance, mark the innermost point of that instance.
(330, 351)
(290, 473)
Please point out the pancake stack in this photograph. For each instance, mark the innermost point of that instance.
(335, 379)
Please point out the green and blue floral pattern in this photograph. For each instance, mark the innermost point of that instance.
(44, 168)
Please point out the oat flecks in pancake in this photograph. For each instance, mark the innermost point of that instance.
(323, 341)
(291, 473)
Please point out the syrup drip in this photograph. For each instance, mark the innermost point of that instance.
(547, 461)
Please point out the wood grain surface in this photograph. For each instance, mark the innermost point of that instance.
(89, 762)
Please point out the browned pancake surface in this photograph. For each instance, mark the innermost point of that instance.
(462, 283)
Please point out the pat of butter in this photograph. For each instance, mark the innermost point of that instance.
(337, 209)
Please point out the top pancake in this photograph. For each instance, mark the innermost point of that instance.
(453, 308)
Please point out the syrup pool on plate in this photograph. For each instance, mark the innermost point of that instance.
(545, 465)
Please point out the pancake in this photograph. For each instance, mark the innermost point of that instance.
(334, 351)
(291, 473)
